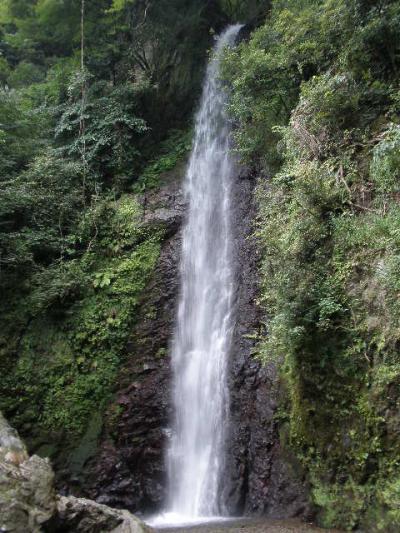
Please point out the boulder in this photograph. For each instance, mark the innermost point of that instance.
(29, 504)
(79, 515)
(27, 496)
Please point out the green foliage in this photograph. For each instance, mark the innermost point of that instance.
(385, 164)
(74, 254)
(37, 209)
(240, 10)
(99, 330)
(21, 133)
(313, 96)
(172, 151)
(25, 74)
(72, 137)
(108, 142)
(60, 377)
(340, 503)
(168, 40)
(301, 40)
(390, 500)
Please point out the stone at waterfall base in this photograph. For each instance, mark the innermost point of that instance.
(80, 515)
(29, 504)
(27, 496)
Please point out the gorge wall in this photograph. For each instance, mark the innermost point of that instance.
(264, 478)
(128, 468)
(89, 261)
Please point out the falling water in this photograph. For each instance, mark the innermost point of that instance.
(204, 322)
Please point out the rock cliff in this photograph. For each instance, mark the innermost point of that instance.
(128, 470)
(263, 477)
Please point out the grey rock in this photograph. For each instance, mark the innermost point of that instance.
(27, 496)
(165, 206)
(79, 515)
(28, 501)
(262, 478)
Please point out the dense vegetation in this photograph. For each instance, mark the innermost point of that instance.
(96, 102)
(316, 95)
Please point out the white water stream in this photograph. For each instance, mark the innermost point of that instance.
(204, 325)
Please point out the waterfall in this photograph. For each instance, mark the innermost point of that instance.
(204, 323)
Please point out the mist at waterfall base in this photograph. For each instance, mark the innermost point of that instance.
(204, 324)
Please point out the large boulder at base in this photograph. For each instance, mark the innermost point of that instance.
(27, 496)
(29, 504)
(79, 515)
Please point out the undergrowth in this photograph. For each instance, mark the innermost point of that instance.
(68, 348)
(316, 98)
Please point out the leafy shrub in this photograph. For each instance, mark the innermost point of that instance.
(172, 150)
(385, 164)
(316, 110)
(87, 306)
(107, 143)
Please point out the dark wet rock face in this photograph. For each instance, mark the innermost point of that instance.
(128, 470)
(262, 477)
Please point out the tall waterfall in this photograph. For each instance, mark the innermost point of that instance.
(204, 323)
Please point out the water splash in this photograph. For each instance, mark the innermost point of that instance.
(204, 324)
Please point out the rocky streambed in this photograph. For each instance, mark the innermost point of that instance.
(249, 525)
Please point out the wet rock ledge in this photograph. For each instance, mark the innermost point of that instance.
(128, 470)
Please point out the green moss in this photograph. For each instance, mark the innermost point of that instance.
(161, 352)
(66, 365)
(385, 514)
(339, 504)
(87, 445)
(114, 413)
(316, 108)
(172, 151)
